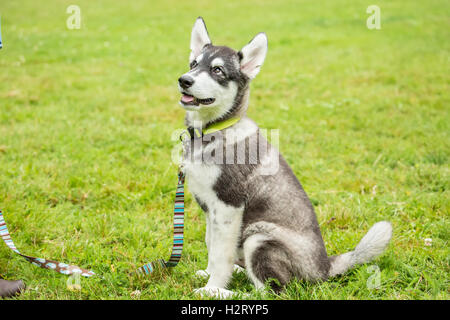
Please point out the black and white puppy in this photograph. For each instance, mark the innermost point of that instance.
(257, 218)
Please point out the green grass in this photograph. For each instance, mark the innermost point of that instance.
(86, 118)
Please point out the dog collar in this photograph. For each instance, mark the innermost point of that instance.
(196, 133)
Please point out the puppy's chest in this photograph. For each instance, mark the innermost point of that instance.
(201, 177)
(222, 217)
(202, 180)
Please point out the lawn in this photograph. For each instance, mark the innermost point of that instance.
(86, 118)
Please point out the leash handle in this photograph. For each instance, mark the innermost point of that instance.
(178, 231)
(43, 263)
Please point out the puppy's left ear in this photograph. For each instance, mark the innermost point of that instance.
(199, 38)
(253, 54)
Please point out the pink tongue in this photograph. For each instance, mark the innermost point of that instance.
(186, 98)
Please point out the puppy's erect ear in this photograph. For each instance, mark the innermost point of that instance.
(199, 38)
(253, 54)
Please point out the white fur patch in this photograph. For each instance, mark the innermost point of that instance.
(250, 245)
(217, 62)
(199, 38)
(199, 58)
(216, 292)
(254, 55)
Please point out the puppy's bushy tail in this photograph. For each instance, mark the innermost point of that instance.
(370, 246)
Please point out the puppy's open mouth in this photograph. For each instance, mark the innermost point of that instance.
(189, 100)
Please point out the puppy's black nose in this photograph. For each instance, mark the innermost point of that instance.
(185, 81)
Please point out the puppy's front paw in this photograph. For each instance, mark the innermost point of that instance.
(202, 274)
(214, 292)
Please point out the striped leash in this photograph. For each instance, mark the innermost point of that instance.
(177, 247)
(178, 232)
(43, 263)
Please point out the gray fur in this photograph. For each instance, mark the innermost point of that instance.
(279, 235)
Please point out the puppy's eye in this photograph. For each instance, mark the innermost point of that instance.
(194, 64)
(217, 70)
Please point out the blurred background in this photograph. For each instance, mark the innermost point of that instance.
(86, 117)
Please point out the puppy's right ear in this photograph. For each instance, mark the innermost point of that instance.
(199, 38)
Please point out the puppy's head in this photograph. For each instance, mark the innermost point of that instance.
(217, 82)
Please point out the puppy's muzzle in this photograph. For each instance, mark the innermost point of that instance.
(185, 81)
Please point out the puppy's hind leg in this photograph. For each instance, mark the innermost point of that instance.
(267, 258)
